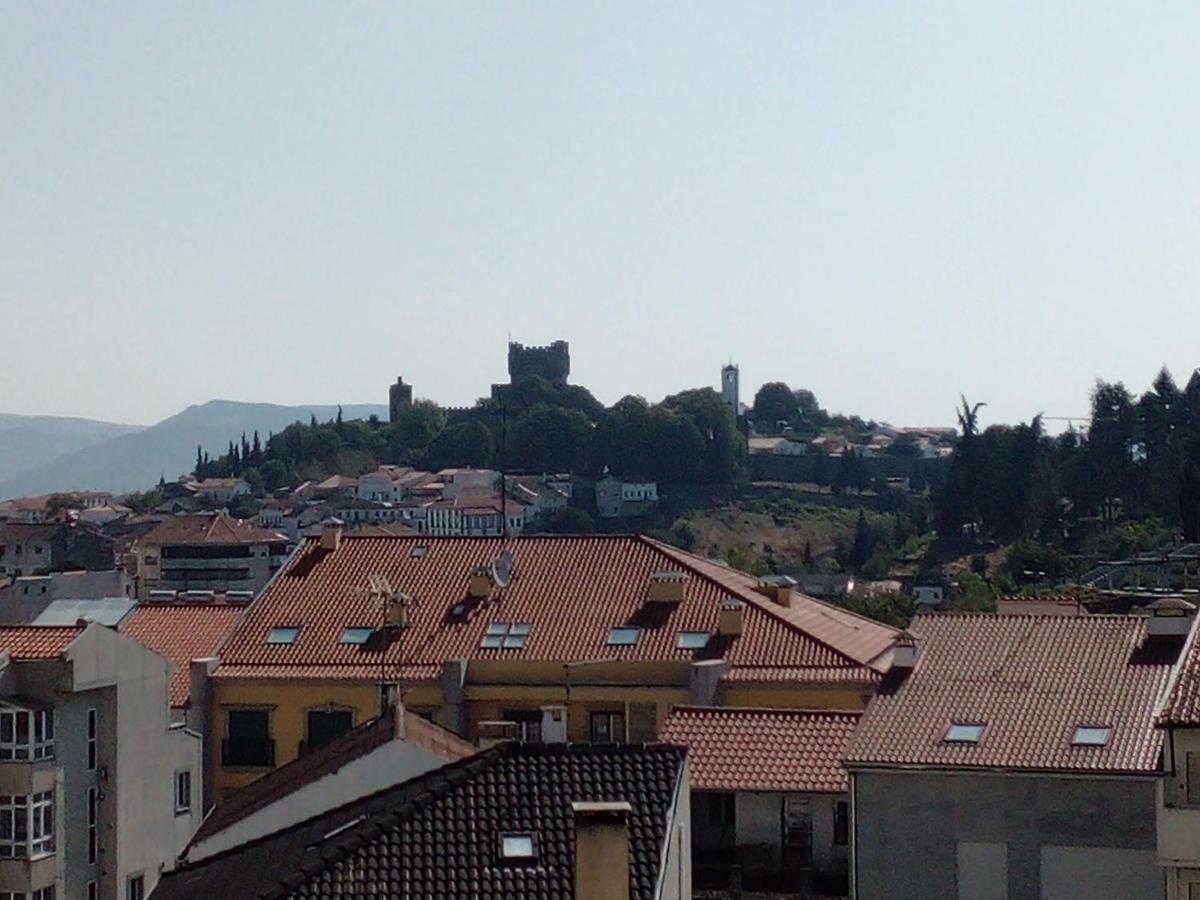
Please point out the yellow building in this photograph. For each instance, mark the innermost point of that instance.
(583, 638)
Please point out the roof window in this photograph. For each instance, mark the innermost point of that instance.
(283, 634)
(518, 846)
(623, 636)
(417, 551)
(1090, 736)
(964, 732)
(357, 635)
(692, 640)
(505, 635)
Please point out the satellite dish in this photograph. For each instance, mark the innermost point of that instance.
(502, 569)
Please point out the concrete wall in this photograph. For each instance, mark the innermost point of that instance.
(1056, 832)
(676, 876)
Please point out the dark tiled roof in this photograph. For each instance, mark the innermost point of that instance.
(312, 767)
(438, 835)
(571, 589)
(1030, 681)
(794, 750)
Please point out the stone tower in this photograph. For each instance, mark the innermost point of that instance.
(729, 387)
(399, 399)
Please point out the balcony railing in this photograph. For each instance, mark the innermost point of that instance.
(258, 754)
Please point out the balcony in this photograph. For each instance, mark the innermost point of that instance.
(256, 754)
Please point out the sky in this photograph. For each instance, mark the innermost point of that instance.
(888, 204)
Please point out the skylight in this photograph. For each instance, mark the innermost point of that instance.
(283, 634)
(506, 635)
(358, 635)
(692, 640)
(964, 732)
(518, 846)
(1090, 736)
(417, 551)
(623, 636)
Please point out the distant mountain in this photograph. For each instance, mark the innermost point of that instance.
(28, 440)
(135, 460)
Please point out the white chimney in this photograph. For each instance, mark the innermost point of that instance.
(905, 651)
(554, 724)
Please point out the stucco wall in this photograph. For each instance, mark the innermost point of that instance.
(907, 828)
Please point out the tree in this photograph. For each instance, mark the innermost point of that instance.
(718, 428)
(1109, 444)
(467, 443)
(550, 439)
(1189, 502)
(570, 520)
(775, 402)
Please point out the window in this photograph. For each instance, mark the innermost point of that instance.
(357, 635)
(841, 823)
(92, 722)
(283, 634)
(93, 891)
(623, 636)
(248, 738)
(607, 727)
(326, 724)
(692, 640)
(518, 846)
(529, 723)
(506, 635)
(1090, 736)
(718, 809)
(135, 888)
(417, 551)
(964, 732)
(26, 734)
(26, 825)
(93, 802)
(183, 791)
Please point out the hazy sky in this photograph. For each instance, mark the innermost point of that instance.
(887, 203)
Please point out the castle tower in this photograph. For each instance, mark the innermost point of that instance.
(399, 399)
(729, 387)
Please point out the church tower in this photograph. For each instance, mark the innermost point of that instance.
(729, 387)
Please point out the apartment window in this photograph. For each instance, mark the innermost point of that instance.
(841, 823)
(93, 815)
(26, 825)
(964, 732)
(248, 739)
(506, 635)
(26, 733)
(692, 640)
(46, 893)
(1090, 736)
(283, 634)
(92, 728)
(183, 791)
(93, 891)
(357, 635)
(529, 723)
(606, 727)
(135, 888)
(323, 725)
(623, 636)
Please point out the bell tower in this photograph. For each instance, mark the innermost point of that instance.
(729, 387)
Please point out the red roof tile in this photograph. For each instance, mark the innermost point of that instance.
(181, 631)
(208, 529)
(37, 641)
(1030, 681)
(1181, 704)
(732, 749)
(571, 590)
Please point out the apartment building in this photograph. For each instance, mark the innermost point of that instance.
(98, 790)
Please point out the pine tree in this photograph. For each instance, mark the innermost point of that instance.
(199, 464)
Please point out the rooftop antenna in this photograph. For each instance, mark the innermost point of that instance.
(393, 608)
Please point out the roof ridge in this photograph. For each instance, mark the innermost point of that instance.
(782, 710)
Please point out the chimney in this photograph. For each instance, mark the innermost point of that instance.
(905, 651)
(704, 681)
(479, 585)
(331, 534)
(493, 733)
(730, 615)
(602, 850)
(554, 724)
(1170, 617)
(666, 587)
(780, 588)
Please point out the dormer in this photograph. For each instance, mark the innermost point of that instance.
(1170, 617)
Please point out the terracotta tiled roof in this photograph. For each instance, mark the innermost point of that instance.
(1030, 681)
(208, 529)
(1181, 703)
(571, 590)
(182, 631)
(792, 750)
(312, 767)
(438, 834)
(37, 641)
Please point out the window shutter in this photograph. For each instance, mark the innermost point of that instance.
(643, 723)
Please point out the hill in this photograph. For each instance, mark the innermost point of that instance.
(28, 440)
(135, 460)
